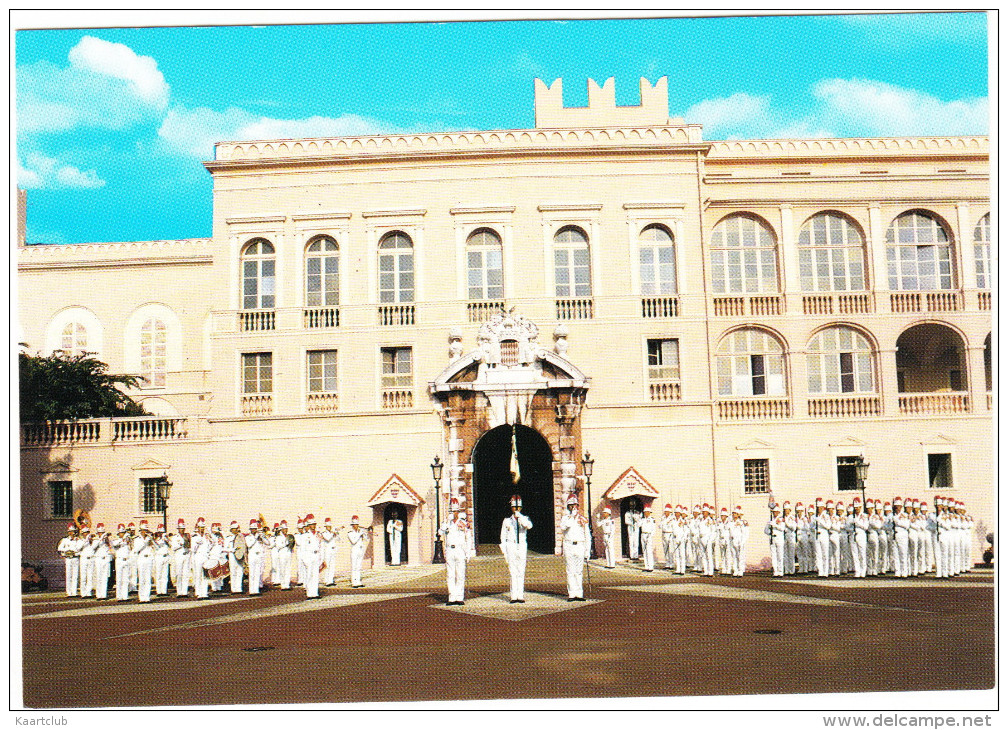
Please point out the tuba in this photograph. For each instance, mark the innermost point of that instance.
(82, 519)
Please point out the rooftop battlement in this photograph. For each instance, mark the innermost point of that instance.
(550, 112)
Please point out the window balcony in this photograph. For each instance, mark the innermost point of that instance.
(947, 403)
(257, 404)
(757, 306)
(844, 406)
(321, 317)
(855, 303)
(754, 409)
(659, 307)
(575, 309)
(396, 315)
(665, 391)
(393, 398)
(482, 311)
(925, 301)
(984, 300)
(322, 403)
(257, 320)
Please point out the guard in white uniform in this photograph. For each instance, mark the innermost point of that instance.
(859, 543)
(143, 549)
(200, 552)
(632, 520)
(232, 546)
(216, 556)
(668, 537)
(131, 534)
(723, 551)
(680, 538)
(607, 525)
(694, 550)
(775, 531)
(887, 541)
(394, 529)
(329, 551)
(739, 537)
(123, 549)
(801, 538)
(298, 537)
(87, 548)
(102, 562)
(574, 528)
(872, 538)
(285, 551)
(647, 526)
(942, 532)
(162, 557)
(274, 555)
(515, 547)
(256, 543)
(928, 537)
(181, 564)
(842, 520)
(821, 528)
(358, 539)
(708, 539)
(901, 552)
(459, 547)
(311, 548)
(69, 548)
(913, 535)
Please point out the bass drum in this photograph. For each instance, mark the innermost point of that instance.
(239, 551)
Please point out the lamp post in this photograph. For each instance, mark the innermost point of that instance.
(587, 464)
(163, 487)
(861, 469)
(436, 469)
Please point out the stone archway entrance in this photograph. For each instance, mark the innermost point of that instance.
(492, 485)
(511, 380)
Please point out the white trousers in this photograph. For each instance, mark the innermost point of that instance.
(122, 579)
(680, 556)
(274, 563)
(941, 556)
(356, 563)
(574, 558)
(777, 556)
(455, 571)
(284, 568)
(900, 555)
(256, 564)
(86, 577)
(237, 573)
(201, 583)
(859, 553)
(311, 578)
(738, 557)
(647, 552)
(395, 547)
(846, 562)
(912, 548)
(885, 546)
(668, 545)
(822, 554)
(834, 553)
(709, 549)
(872, 553)
(161, 574)
(145, 567)
(633, 537)
(516, 567)
(101, 577)
(610, 550)
(180, 562)
(133, 577)
(329, 573)
(71, 569)
(790, 548)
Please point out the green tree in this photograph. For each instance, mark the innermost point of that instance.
(69, 387)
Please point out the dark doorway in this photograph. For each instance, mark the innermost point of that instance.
(628, 504)
(492, 485)
(395, 511)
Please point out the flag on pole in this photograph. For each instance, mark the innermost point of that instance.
(515, 472)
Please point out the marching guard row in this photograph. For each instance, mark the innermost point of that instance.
(144, 560)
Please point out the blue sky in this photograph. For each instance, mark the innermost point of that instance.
(112, 124)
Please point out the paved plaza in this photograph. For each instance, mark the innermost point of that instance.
(638, 634)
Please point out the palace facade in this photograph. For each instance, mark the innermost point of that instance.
(712, 321)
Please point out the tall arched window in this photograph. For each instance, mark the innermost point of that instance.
(657, 261)
(571, 263)
(743, 256)
(840, 360)
(154, 352)
(485, 265)
(831, 254)
(74, 339)
(322, 273)
(918, 253)
(750, 362)
(982, 252)
(395, 268)
(258, 275)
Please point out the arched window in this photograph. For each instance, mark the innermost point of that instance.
(395, 268)
(982, 252)
(840, 360)
(657, 261)
(258, 275)
(74, 339)
(322, 273)
(750, 362)
(154, 352)
(571, 263)
(485, 265)
(918, 253)
(743, 256)
(831, 254)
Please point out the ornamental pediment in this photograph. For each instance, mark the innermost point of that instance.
(396, 490)
(150, 465)
(630, 484)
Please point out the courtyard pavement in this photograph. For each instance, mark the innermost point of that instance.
(638, 634)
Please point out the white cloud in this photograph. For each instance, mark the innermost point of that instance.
(41, 171)
(731, 116)
(194, 131)
(119, 61)
(877, 108)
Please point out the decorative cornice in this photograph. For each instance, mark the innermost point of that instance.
(256, 219)
(656, 205)
(59, 255)
(393, 213)
(483, 211)
(335, 215)
(874, 201)
(853, 147)
(568, 207)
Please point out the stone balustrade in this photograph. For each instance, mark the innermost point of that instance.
(395, 315)
(934, 403)
(393, 398)
(322, 402)
(659, 307)
(482, 311)
(844, 406)
(665, 391)
(754, 409)
(257, 320)
(85, 431)
(321, 317)
(259, 404)
(575, 309)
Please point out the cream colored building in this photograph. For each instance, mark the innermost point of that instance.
(711, 320)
